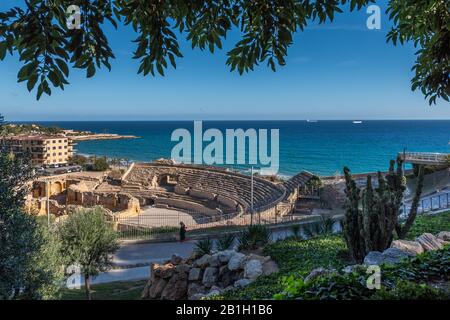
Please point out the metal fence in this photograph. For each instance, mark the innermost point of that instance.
(432, 203)
(165, 224)
(431, 157)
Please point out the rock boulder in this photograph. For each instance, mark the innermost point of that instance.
(394, 255)
(430, 242)
(444, 235)
(411, 248)
(253, 269)
(373, 258)
(236, 261)
(210, 276)
(176, 288)
(202, 262)
(195, 274)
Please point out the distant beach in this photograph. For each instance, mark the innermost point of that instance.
(322, 147)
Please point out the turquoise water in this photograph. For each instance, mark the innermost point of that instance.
(324, 147)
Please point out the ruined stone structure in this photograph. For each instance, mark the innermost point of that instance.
(184, 186)
(208, 191)
(77, 190)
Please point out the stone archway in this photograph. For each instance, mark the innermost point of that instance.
(56, 188)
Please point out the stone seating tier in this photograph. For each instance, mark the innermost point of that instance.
(231, 185)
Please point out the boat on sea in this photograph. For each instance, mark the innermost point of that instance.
(311, 121)
(357, 121)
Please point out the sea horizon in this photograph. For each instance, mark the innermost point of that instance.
(216, 120)
(323, 147)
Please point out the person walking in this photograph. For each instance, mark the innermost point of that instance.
(182, 231)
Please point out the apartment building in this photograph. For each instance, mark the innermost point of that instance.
(44, 150)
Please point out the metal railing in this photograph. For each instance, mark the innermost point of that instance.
(425, 156)
(432, 203)
(165, 224)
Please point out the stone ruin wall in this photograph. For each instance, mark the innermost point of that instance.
(69, 189)
(184, 205)
(121, 203)
(145, 174)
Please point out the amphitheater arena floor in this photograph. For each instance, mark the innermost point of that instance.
(160, 217)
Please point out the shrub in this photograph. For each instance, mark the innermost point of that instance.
(293, 257)
(296, 230)
(100, 164)
(432, 223)
(407, 290)
(322, 227)
(332, 287)
(254, 237)
(79, 159)
(203, 246)
(225, 242)
(425, 267)
(409, 279)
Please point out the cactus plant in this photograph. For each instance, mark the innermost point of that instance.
(372, 215)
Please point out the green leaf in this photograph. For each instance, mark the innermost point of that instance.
(2, 50)
(160, 69)
(54, 79)
(40, 91)
(91, 70)
(63, 66)
(32, 81)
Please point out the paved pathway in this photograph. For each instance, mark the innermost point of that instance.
(137, 254)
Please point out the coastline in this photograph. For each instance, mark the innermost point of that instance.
(102, 136)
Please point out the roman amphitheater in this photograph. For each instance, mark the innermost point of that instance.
(162, 193)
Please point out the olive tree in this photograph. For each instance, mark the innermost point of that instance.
(88, 241)
(48, 43)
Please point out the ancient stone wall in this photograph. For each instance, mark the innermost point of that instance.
(202, 194)
(226, 201)
(207, 275)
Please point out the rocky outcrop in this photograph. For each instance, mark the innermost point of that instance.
(430, 242)
(373, 258)
(205, 276)
(410, 247)
(444, 235)
(394, 255)
(401, 249)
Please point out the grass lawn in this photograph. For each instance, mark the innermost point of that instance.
(432, 223)
(124, 290)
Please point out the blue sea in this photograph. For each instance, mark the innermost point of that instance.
(322, 147)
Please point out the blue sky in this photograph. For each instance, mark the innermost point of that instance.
(335, 71)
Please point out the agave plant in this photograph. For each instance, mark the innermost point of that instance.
(296, 230)
(324, 226)
(225, 242)
(204, 246)
(254, 237)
